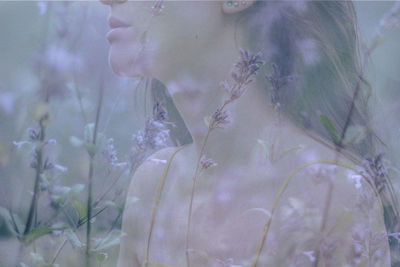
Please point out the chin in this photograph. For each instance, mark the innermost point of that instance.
(124, 63)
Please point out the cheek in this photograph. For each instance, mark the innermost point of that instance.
(128, 57)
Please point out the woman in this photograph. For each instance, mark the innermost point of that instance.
(219, 201)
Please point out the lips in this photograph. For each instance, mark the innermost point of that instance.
(117, 27)
(113, 22)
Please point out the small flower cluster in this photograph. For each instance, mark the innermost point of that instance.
(110, 156)
(375, 168)
(43, 165)
(35, 136)
(277, 81)
(109, 153)
(159, 112)
(206, 163)
(154, 136)
(220, 117)
(247, 66)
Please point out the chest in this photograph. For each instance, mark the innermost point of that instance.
(229, 211)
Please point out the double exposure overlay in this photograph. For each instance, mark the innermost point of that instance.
(167, 133)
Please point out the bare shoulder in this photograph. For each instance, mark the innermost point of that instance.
(155, 162)
(138, 206)
(146, 177)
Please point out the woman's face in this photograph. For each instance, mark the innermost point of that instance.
(178, 39)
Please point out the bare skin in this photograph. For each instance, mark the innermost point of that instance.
(230, 211)
(191, 48)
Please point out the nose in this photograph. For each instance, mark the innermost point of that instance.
(111, 2)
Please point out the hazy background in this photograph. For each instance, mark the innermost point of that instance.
(63, 45)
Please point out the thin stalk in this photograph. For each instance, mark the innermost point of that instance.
(114, 222)
(83, 222)
(59, 251)
(89, 212)
(78, 95)
(93, 216)
(212, 125)
(338, 148)
(90, 177)
(264, 234)
(157, 197)
(39, 151)
(71, 221)
(325, 216)
(102, 196)
(39, 157)
(196, 174)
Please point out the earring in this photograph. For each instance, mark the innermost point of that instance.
(231, 6)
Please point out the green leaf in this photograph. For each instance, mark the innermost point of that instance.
(75, 190)
(101, 257)
(37, 258)
(37, 232)
(112, 239)
(23, 264)
(88, 133)
(59, 226)
(109, 203)
(328, 125)
(61, 195)
(101, 142)
(91, 149)
(75, 141)
(73, 238)
(5, 217)
(80, 208)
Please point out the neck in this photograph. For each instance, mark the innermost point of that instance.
(252, 116)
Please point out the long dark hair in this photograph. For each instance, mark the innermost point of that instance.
(316, 80)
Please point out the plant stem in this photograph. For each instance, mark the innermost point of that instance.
(264, 234)
(39, 157)
(157, 197)
(93, 216)
(339, 146)
(211, 126)
(58, 251)
(89, 212)
(90, 177)
(102, 196)
(196, 174)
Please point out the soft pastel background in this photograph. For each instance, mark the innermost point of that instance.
(63, 45)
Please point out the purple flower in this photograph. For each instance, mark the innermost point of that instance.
(220, 117)
(206, 163)
(247, 66)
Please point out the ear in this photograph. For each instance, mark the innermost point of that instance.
(231, 7)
